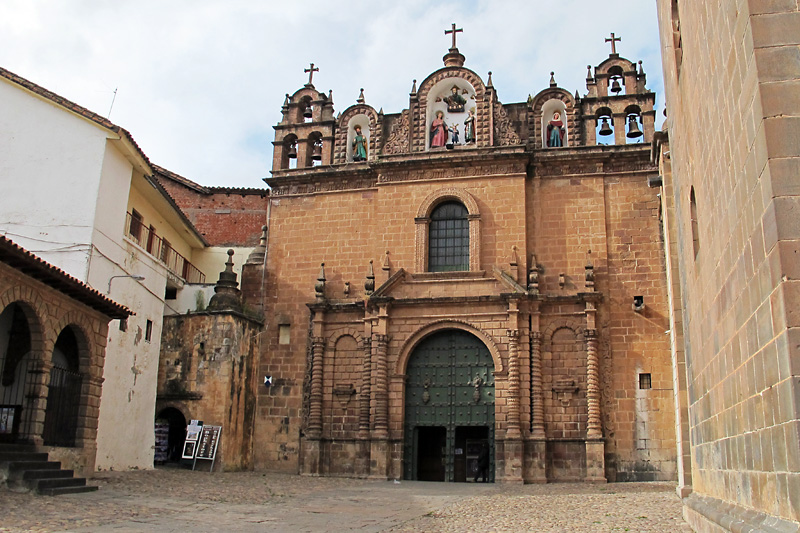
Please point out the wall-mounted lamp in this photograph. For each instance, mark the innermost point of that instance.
(132, 276)
(638, 304)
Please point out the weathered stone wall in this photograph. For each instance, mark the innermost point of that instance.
(734, 125)
(207, 371)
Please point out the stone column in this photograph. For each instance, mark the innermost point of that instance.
(381, 387)
(379, 446)
(594, 426)
(366, 390)
(595, 445)
(537, 393)
(536, 448)
(513, 429)
(512, 445)
(362, 462)
(315, 407)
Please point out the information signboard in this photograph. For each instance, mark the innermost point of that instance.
(207, 445)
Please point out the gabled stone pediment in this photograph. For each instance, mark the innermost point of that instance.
(403, 285)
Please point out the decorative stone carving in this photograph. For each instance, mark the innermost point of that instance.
(564, 390)
(369, 285)
(398, 138)
(504, 134)
(319, 286)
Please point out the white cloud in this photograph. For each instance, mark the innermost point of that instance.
(200, 83)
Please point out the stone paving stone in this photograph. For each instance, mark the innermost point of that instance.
(173, 500)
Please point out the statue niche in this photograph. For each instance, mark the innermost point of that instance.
(451, 104)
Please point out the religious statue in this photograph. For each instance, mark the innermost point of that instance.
(438, 131)
(454, 134)
(469, 127)
(455, 102)
(359, 146)
(555, 131)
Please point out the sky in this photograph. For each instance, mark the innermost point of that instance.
(200, 83)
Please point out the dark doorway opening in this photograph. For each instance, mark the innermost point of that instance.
(470, 440)
(431, 446)
(64, 392)
(170, 421)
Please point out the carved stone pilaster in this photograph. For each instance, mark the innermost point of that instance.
(513, 431)
(380, 342)
(594, 426)
(537, 391)
(366, 390)
(315, 407)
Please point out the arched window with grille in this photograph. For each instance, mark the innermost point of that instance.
(448, 242)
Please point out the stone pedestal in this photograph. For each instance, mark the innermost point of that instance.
(362, 458)
(379, 459)
(512, 461)
(535, 461)
(595, 461)
(311, 457)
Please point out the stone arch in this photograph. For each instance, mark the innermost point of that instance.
(369, 118)
(175, 434)
(32, 305)
(422, 223)
(561, 323)
(422, 333)
(448, 193)
(482, 103)
(541, 108)
(83, 331)
(352, 332)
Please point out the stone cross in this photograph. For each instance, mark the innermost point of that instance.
(453, 30)
(311, 70)
(613, 42)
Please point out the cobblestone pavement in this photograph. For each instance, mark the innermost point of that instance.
(171, 500)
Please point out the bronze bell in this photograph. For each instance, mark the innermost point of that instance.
(316, 152)
(308, 112)
(605, 129)
(615, 86)
(292, 153)
(633, 128)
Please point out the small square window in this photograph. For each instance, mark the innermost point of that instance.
(284, 334)
(123, 324)
(148, 330)
(645, 381)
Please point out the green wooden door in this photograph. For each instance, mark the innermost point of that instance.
(449, 385)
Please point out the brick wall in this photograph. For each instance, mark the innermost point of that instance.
(225, 217)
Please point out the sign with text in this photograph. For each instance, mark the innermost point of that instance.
(209, 439)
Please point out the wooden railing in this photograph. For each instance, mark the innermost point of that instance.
(162, 250)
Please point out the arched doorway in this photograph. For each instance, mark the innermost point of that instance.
(17, 374)
(64, 392)
(449, 407)
(170, 433)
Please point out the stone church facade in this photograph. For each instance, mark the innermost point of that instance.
(426, 295)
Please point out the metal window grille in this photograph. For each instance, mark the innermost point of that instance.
(448, 242)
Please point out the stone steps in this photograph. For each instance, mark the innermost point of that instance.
(24, 469)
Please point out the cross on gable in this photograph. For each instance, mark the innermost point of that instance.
(311, 70)
(613, 40)
(453, 30)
